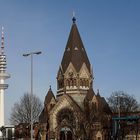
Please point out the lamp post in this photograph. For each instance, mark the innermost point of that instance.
(31, 55)
(119, 111)
(119, 104)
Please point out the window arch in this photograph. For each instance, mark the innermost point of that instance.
(87, 83)
(71, 82)
(68, 82)
(65, 114)
(74, 81)
(81, 82)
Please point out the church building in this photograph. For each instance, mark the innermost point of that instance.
(77, 112)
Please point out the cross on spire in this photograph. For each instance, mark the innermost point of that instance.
(73, 15)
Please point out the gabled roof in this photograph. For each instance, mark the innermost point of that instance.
(48, 97)
(102, 104)
(74, 102)
(75, 51)
(105, 105)
(44, 114)
(67, 99)
(43, 117)
(90, 94)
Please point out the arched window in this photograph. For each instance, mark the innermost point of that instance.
(75, 82)
(60, 84)
(87, 83)
(82, 82)
(71, 82)
(51, 106)
(68, 82)
(65, 114)
(95, 107)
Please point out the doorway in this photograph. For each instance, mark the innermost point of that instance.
(66, 134)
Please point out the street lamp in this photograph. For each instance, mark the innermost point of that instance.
(31, 55)
(119, 105)
(119, 110)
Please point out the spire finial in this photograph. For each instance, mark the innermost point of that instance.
(98, 92)
(50, 88)
(73, 17)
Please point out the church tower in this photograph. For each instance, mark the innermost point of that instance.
(3, 77)
(75, 72)
(76, 112)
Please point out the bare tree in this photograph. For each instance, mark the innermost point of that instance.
(21, 111)
(126, 103)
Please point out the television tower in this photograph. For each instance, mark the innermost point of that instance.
(3, 77)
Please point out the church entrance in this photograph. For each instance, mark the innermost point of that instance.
(66, 134)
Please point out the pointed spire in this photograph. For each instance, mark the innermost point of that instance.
(98, 93)
(49, 96)
(75, 52)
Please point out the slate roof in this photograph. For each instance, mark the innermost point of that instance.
(106, 106)
(48, 97)
(103, 104)
(43, 116)
(75, 51)
(90, 94)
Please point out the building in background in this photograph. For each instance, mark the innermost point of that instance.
(8, 132)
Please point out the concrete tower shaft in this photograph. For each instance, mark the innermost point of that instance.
(3, 77)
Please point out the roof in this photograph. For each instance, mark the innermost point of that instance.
(90, 94)
(102, 104)
(43, 116)
(105, 105)
(72, 103)
(48, 97)
(75, 51)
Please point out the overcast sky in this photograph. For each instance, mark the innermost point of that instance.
(110, 30)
